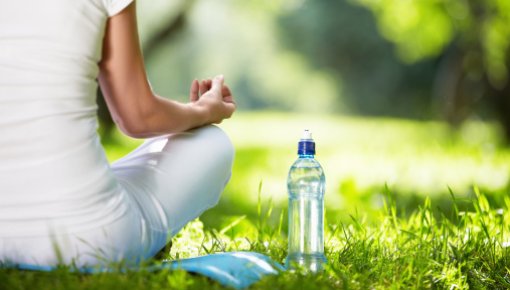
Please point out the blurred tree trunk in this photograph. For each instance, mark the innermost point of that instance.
(448, 86)
(501, 102)
(167, 31)
(460, 94)
(462, 80)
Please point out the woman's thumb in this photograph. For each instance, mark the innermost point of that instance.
(217, 83)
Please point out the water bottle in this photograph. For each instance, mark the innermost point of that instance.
(306, 185)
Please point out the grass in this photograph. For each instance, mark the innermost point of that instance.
(410, 205)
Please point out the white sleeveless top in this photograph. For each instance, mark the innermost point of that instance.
(53, 171)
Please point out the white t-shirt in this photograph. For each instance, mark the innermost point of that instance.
(53, 170)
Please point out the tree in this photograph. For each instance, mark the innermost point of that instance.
(471, 39)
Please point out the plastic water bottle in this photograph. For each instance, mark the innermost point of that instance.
(306, 185)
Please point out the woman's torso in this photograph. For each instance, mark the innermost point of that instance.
(53, 172)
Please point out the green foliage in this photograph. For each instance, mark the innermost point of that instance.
(423, 29)
(154, 14)
(420, 28)
(341, 39)
(338, 56)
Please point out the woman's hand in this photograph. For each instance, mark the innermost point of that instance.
(213, 98)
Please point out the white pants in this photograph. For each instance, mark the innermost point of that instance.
(166, 182)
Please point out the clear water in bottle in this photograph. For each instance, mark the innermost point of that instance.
(306, 185)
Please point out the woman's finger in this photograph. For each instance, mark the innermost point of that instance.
(205, 85)
(225, 91)
(228, 99)
(202, 88)
(193, 92)
(230, 108)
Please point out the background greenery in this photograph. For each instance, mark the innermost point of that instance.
(440, 59)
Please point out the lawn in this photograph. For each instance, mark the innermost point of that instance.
(409, 204)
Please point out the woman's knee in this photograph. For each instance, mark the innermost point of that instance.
(186, 171)
(216, 142)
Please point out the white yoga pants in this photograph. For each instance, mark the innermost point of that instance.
(166, 182)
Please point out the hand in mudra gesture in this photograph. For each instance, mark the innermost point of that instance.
(213, 97)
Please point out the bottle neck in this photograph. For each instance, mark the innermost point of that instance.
(306, 156)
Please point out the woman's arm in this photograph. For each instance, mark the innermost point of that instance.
(134, 107)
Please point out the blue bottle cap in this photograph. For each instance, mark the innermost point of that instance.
(306, 145)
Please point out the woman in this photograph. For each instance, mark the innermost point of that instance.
(60, 200)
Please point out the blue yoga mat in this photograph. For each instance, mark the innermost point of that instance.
(234, 269)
